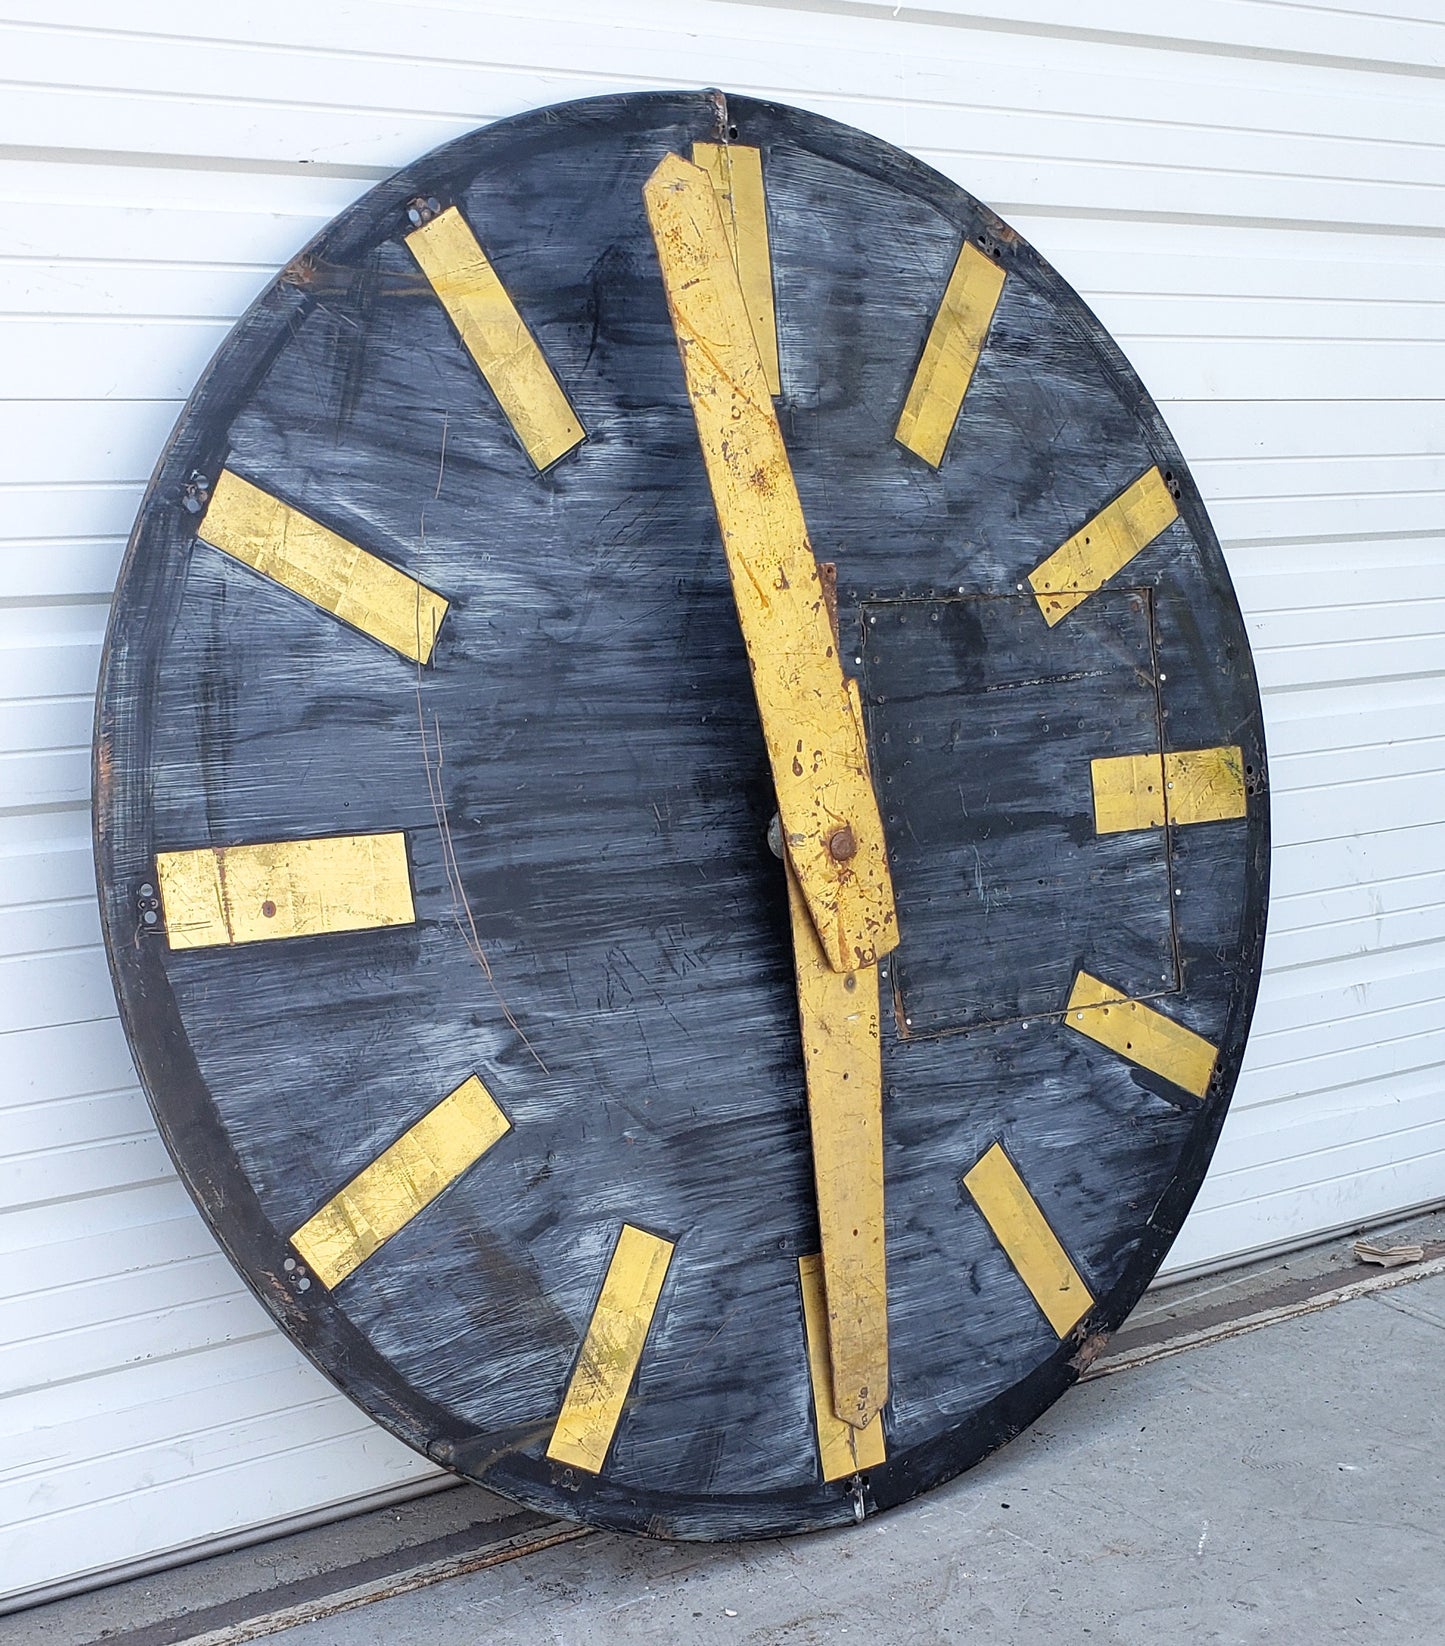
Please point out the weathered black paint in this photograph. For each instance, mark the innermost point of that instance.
(983, 730)
(590, 731)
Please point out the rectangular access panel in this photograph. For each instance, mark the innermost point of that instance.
(982, 741)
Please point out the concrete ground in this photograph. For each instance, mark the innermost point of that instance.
(1287, 1485)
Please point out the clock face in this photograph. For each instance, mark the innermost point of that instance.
(433, 797)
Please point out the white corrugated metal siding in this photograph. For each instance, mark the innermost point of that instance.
(1250, 193)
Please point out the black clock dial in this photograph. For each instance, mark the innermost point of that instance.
(433, 801)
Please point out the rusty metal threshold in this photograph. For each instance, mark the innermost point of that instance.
(478, 1531)
(1142, 1346)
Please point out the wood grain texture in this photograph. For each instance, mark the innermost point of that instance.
(601, 931)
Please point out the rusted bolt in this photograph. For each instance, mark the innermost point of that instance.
(268, 908)
(842, 845)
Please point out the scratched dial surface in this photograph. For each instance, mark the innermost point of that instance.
(432, 810)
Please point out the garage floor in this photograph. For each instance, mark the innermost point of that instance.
(1209, 1482)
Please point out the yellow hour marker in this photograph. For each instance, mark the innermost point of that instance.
(1102, 548)
(611, 1350)
(384, 1197)
(1141, 791)
(286, 888)
(737, 180)
(1029, 1243)
(1143, 1035)
(496, 336)
(321, 566)
(842, 1449)
(955, 341)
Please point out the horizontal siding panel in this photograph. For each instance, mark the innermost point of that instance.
(57, 1062)
(1401, 920)
(1350, 871)
(39, 570)
(1354, 575)
(1288, 274)
(63, 1124)
(188, 1387)
(1358, 1042)
(1343, 1161)
(1383, 318)
(1333, 812)
(55, 777)
(1333, 997)
(57, 987)
(75, 459)
(1326, 662)
(1410, 35)
(158, 219)
(1301, 722)
(105, 359)
(71, 1171)
(34, 927)
(268, 1476)
(1188, 368)
(43, 723)
(343, 105)
(1338, 28)
(323, 1440)
(1371, 1184)
(78, 508)
(1364, 766)
(164, 1208)
(130, 1336)
(1383, 1057)
(58, 873)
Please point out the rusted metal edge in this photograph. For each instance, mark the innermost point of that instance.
(237, 1631)
(1130, 1359)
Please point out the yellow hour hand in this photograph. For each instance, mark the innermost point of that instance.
(811, 720)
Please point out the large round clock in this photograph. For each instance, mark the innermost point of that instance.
(680, 815)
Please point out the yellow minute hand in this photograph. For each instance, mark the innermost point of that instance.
(839, 891)
(812, 724)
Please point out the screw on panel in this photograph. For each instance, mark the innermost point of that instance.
(148, 905)
(197, 493)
